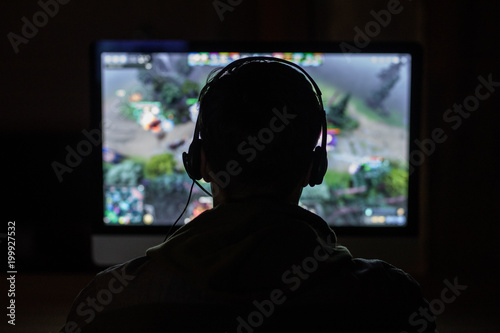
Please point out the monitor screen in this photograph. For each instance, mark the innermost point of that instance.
(147, 95)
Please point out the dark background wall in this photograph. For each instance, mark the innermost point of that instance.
(45, 106)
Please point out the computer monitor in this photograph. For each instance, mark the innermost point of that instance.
(145, 102)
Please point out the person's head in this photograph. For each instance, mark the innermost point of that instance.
(259, 123)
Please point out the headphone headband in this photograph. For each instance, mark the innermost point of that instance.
(192, 162)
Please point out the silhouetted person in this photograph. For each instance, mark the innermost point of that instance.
(256, 261)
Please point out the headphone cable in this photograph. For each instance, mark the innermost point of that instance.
(183, 211)
(187, 204)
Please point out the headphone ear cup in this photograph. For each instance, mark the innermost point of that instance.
(192, 160)
(319, 166)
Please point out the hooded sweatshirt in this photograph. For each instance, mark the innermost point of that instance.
(254, 253)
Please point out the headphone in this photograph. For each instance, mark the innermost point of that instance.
(192, 159)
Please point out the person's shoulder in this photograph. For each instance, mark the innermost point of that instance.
(390, 279)
(366, 295)
(396, 295)
(381, 269)
(102, 291)
(122, 273)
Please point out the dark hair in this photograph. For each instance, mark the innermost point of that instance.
(259, 124)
